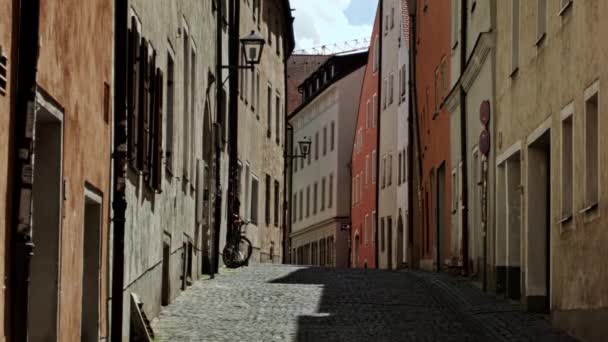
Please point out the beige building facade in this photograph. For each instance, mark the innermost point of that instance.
(321, 184)
(551, 188)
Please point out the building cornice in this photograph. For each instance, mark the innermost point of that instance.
(319, 225)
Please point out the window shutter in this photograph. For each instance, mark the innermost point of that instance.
(133, 93)
(142, 121)
(158, 132)
(149, 124)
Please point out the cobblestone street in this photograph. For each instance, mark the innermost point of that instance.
(287, 303)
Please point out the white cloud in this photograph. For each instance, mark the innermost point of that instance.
(321, 22)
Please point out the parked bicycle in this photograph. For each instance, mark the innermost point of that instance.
(238, 247)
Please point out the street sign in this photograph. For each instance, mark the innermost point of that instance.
(345, 226)
(484, 142)
(484, 113)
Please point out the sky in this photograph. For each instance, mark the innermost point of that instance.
(324, 22)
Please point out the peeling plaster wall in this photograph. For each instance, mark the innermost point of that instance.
(74, 63)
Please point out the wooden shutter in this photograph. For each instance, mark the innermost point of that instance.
(143, 105)
(158, 132)
(133, 61)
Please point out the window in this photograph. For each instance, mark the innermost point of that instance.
(367, 116)
(567, 167)
(384, 93)
(365, 227)
(269, 109)
(437, 90)
(323, 194)
(309, 157)
(444, 79)
(374, 222)
(455, 22)
(392, 17)
(193, 126)
(315, 196)
(267, 200)
(541, 21)
(399, 175)
(317, 146)
(170, 108)
(382, 240)
(390, 170)
(332, 135)
(383, 171)
(257, 93)
(331, 190)
(294, 209)
(301, 204)
(277, 195)
(386, 23)
(308, 201)
(186, 113)
(375, 110)
(403, 83)
(277, 114)
(295, 162)
(254, 200)
(591, 147)
(514, 36)
(325, 140)
(376, 54)
(391, 89)
(366, 169)
(373, 166)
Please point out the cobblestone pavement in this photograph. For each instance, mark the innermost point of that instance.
(289, 303)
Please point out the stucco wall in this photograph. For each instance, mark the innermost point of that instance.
(74, 63)
(552, 75)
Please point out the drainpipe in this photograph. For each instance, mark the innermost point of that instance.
(27, 34)
(219, 124)
(287, 183)
(233, 124)
(119, 156)
(463, 141)
(412, 131)
(378, 116)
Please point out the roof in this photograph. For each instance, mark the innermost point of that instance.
(406, 21)
(344, 66)
(299, 68)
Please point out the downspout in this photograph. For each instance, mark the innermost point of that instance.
(119, 156)
(378, 117)
(412, 127)
(27, 35)
(233, 124)
(286, 160)
(219, 122)
(463, 141)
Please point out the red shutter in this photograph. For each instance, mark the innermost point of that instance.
(158, 132)
(143, 104)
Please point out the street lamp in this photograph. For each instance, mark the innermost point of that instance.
(253, 44)
(304, 145)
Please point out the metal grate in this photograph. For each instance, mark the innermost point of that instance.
(3, 72)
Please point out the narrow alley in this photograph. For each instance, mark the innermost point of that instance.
(296, 303)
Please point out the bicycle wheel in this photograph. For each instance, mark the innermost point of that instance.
(237, 256)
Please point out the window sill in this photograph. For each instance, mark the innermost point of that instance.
(540, 40)
(565, 9)
(565, 220)
(435, 114)
(514, 73)
(589, 208)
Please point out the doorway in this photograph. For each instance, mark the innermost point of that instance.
(538, 261)
(513, 226)
(400, 242)
(166, 280)
(389, 231)
(89, 325)
(440, 196)
(46, 225)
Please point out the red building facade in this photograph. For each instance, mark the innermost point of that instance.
(432, 58)
(364, 162)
